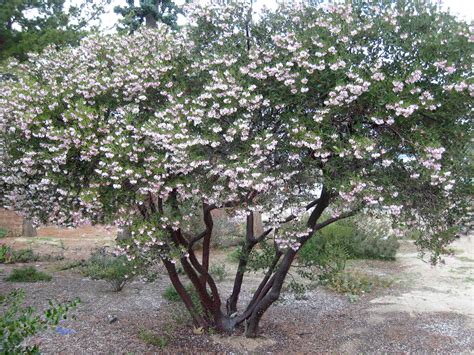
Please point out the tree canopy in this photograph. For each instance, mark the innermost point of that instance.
(309, 115)
(29, 26)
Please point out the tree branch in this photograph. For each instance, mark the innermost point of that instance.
(322, 204)
(334, 219)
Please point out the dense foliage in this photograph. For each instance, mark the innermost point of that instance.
(31, 25)
(17, 322)
(347, 239)
(308, 111)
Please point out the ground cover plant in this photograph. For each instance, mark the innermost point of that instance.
(309, 115)
(17, 322)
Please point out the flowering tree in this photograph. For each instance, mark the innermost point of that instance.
(309, 115)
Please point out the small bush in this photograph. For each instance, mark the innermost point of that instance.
(170, 293)
(28, 274)
(326, 252)
(3, 232)
(10, 256)
(218, 271)
(117, 271)
(374, 246)
(18, 322)
(349, 239)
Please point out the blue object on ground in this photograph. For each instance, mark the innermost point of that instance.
(64, 331)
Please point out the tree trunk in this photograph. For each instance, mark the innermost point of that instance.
(273, 294)
(27, 229)
(269, 290)
(150, 21)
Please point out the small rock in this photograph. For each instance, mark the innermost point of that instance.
(198, 330)
(112, 318)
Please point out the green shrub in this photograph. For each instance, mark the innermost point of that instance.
(218, 271)
(116, 270)
(10, 256)
(349, 239)
(28, 274)
(3, 232)
(374, 247)
(327, 250)
(18, 322)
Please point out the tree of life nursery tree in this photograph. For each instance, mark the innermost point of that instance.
(309, 115)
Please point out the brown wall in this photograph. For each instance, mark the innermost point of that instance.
(12, 222)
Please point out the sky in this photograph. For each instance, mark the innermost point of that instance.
(462, 8)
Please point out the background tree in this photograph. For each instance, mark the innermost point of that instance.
(313, 115)
(149, 12)
(29, 26)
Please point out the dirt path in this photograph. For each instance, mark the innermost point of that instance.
(431, 311)
(427, 310)
(444, 288)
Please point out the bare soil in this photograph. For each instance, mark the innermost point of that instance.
(426, 310)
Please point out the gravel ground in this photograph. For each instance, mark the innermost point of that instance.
(322, 322)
